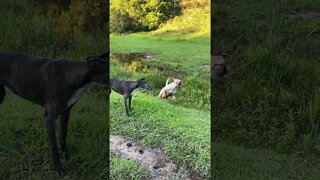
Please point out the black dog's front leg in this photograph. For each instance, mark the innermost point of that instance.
(64, 120)
(130, 102)
(50, 119)
(126, 104)
(2, 93)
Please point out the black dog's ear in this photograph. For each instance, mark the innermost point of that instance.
(92, 61)
(104, 56)
(142, 79)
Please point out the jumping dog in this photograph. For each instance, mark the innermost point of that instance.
(53, 84)
(170, 89)
(127, 88)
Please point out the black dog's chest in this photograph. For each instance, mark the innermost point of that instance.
(75, 95)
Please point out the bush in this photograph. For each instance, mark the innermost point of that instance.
(121, 22)
(139, 15)
(75, 16)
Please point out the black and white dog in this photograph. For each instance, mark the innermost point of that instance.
(127, 88)
(53, 84)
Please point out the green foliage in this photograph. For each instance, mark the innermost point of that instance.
(121, 22)
(194, 20)
(139, 15)
(74, 16)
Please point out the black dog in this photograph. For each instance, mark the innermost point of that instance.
(126, 88)
(54, 84)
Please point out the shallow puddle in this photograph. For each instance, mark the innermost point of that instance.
(153, 160)
(132, 61)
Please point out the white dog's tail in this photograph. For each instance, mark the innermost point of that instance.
(167, 81)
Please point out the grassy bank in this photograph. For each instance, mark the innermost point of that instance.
(237, 162)
(266, 120)
(181, 127)
(175, 57)
(183, 133)
(273, 101)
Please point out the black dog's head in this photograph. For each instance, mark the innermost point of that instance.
(99, 68)
(143, 84)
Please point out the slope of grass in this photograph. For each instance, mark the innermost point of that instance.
(183, 133)
(174, 58)
(194, 20)
(273, 101)
(182, 127)
(271, 109)
(178, 54)
(234, 162)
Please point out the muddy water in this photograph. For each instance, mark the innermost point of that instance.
(152, 159)
(132, 61)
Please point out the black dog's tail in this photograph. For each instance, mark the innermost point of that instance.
(2, 93)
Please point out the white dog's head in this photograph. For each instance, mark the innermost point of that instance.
(177, 81)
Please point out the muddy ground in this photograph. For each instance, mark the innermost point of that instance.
(154, 160)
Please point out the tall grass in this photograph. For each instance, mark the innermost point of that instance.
(25, 30)
(272, 101)
(24, 149)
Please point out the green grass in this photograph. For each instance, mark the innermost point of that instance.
(126, 169)
(266, 122)
(180, 58)
(182, 127)
(184, 133)
(236, 162)
(275, 68)
(24, 149)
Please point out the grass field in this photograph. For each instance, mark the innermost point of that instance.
(24, 150)
(237, 162)
(266, 121)
(182, 127)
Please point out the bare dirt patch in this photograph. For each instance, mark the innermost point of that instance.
(152, 159)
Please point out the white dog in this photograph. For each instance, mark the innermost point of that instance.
(170, 89)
